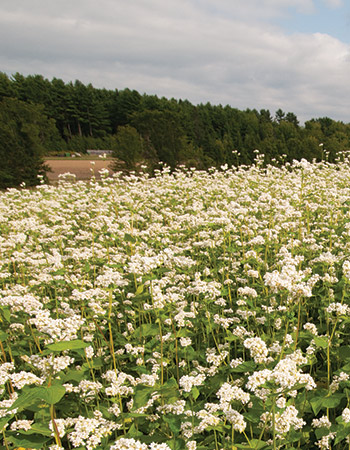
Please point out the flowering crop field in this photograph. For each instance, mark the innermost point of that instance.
(188, 311)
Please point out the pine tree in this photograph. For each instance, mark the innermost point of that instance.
(23, 131)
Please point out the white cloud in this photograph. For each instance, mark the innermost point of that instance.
(222, 51)
(333, 3)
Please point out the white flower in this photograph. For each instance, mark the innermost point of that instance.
(281, 402)
(247, 291)
(23, 378)
(257, 348)
(60, 426)
(338, 308)
(278, 323)
(284, 421)
(88, 432)
(286, 374)
(155, 446)
(324, 442)
(191, 445)
(128, 444)
(236, 419)
(22, 425)
(207, 420)
(322, 422)
(188, 381)
(228, 393)
(185, 341)
(346, 269)
(89, 352)
(311, 327)
(346, 415)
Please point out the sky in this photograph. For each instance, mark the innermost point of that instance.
(262, 54)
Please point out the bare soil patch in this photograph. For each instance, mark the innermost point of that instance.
(81, 168)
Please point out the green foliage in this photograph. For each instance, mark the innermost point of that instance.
(24, 130)
(174, 132)
(128, 147)
(67, 345)
(162, 130)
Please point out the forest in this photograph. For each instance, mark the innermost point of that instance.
(41, 117)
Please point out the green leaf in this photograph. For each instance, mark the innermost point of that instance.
(231, 337)
(255, 444)
(53, 394)
(141, 396)
(59, 272)
(73, 375)
(129, 238)
(344, 352)
(169, 390)
(6, 313)
(148, 329)
(342, 433)
(50, 395)
(95, 363)
(169, 384)
(195, 392)
(247, 366)
(321, 341)
(27, 398)
(321, 432)
(183, 332)
(333, 401)
(3, 336)
(346, 368)
(134, 415)
(178, 444)
(68, 345)
(134, 432)
(139, 290)
(316, 404)
(174, 423)
(38, 428)
(5, 421)
(28, 441)
(251, 417)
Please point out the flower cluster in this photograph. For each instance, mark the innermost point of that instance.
(185, 310)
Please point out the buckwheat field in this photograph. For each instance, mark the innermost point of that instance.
(188, 311)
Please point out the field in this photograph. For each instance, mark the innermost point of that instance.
(188, 311)
(82, 168)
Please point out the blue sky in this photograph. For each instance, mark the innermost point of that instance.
(263, 54)
(321, 18)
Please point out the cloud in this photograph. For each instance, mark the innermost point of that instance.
(333, 3)
(222, 51)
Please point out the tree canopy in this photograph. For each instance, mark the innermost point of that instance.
(24, 131)
(171, 131)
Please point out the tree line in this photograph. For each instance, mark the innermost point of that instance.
(41, 117)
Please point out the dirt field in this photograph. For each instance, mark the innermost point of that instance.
(79, 167)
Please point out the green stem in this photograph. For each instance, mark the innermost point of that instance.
(54, 425)
(273, 425)
(298, 327)
(161, 353)
(176, 353)
(5, 440)
(111, 343)
(216, 441)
